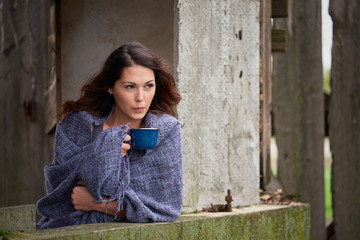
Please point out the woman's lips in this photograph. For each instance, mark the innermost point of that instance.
(139, 109)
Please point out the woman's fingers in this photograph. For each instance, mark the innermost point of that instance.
(82, 199)
(125, 146)
(127, 138)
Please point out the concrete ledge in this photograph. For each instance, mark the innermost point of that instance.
(254, 222)
(18, 218)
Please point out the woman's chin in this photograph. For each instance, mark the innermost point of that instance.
(138, 116)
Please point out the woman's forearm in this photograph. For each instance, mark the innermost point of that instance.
(83, 200)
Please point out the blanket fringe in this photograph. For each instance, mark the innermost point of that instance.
(123, 182)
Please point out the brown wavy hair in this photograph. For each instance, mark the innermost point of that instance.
(94, 95)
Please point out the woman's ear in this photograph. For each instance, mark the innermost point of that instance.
(110, 91)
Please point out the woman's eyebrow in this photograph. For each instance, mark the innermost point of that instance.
(128, 82)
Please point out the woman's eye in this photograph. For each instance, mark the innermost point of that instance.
(149, 85)
(129, 87)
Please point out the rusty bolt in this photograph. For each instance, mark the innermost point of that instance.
(229, 199)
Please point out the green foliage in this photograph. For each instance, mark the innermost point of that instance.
(274, 171)
(4, 233)
(326, 80)
(328, 197)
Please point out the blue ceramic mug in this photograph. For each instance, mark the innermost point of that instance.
(143, 138)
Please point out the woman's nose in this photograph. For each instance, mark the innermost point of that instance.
(139, 96)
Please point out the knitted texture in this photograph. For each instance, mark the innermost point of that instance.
(147, 183)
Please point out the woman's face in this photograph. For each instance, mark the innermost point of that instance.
(133, 94)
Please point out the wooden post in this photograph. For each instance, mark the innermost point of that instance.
(265, 92)
(299, 109)
(24, 147)
(58, 55)
(345, 118)
(51, 107)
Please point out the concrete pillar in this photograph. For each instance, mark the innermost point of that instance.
(217, 68)
(213, 47)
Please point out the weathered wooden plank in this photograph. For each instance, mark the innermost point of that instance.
(24, 147)
(265, 92)
(344, 117)
(58, 54)
(298, 105)
(278, 40)
(51, 93)
(50, 107)
(279, 8)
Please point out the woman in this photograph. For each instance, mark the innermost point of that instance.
(95, 175)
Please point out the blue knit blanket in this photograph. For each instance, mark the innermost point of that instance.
(147, 183)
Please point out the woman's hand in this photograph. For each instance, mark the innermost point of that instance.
(125, 146)
(82, 199)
